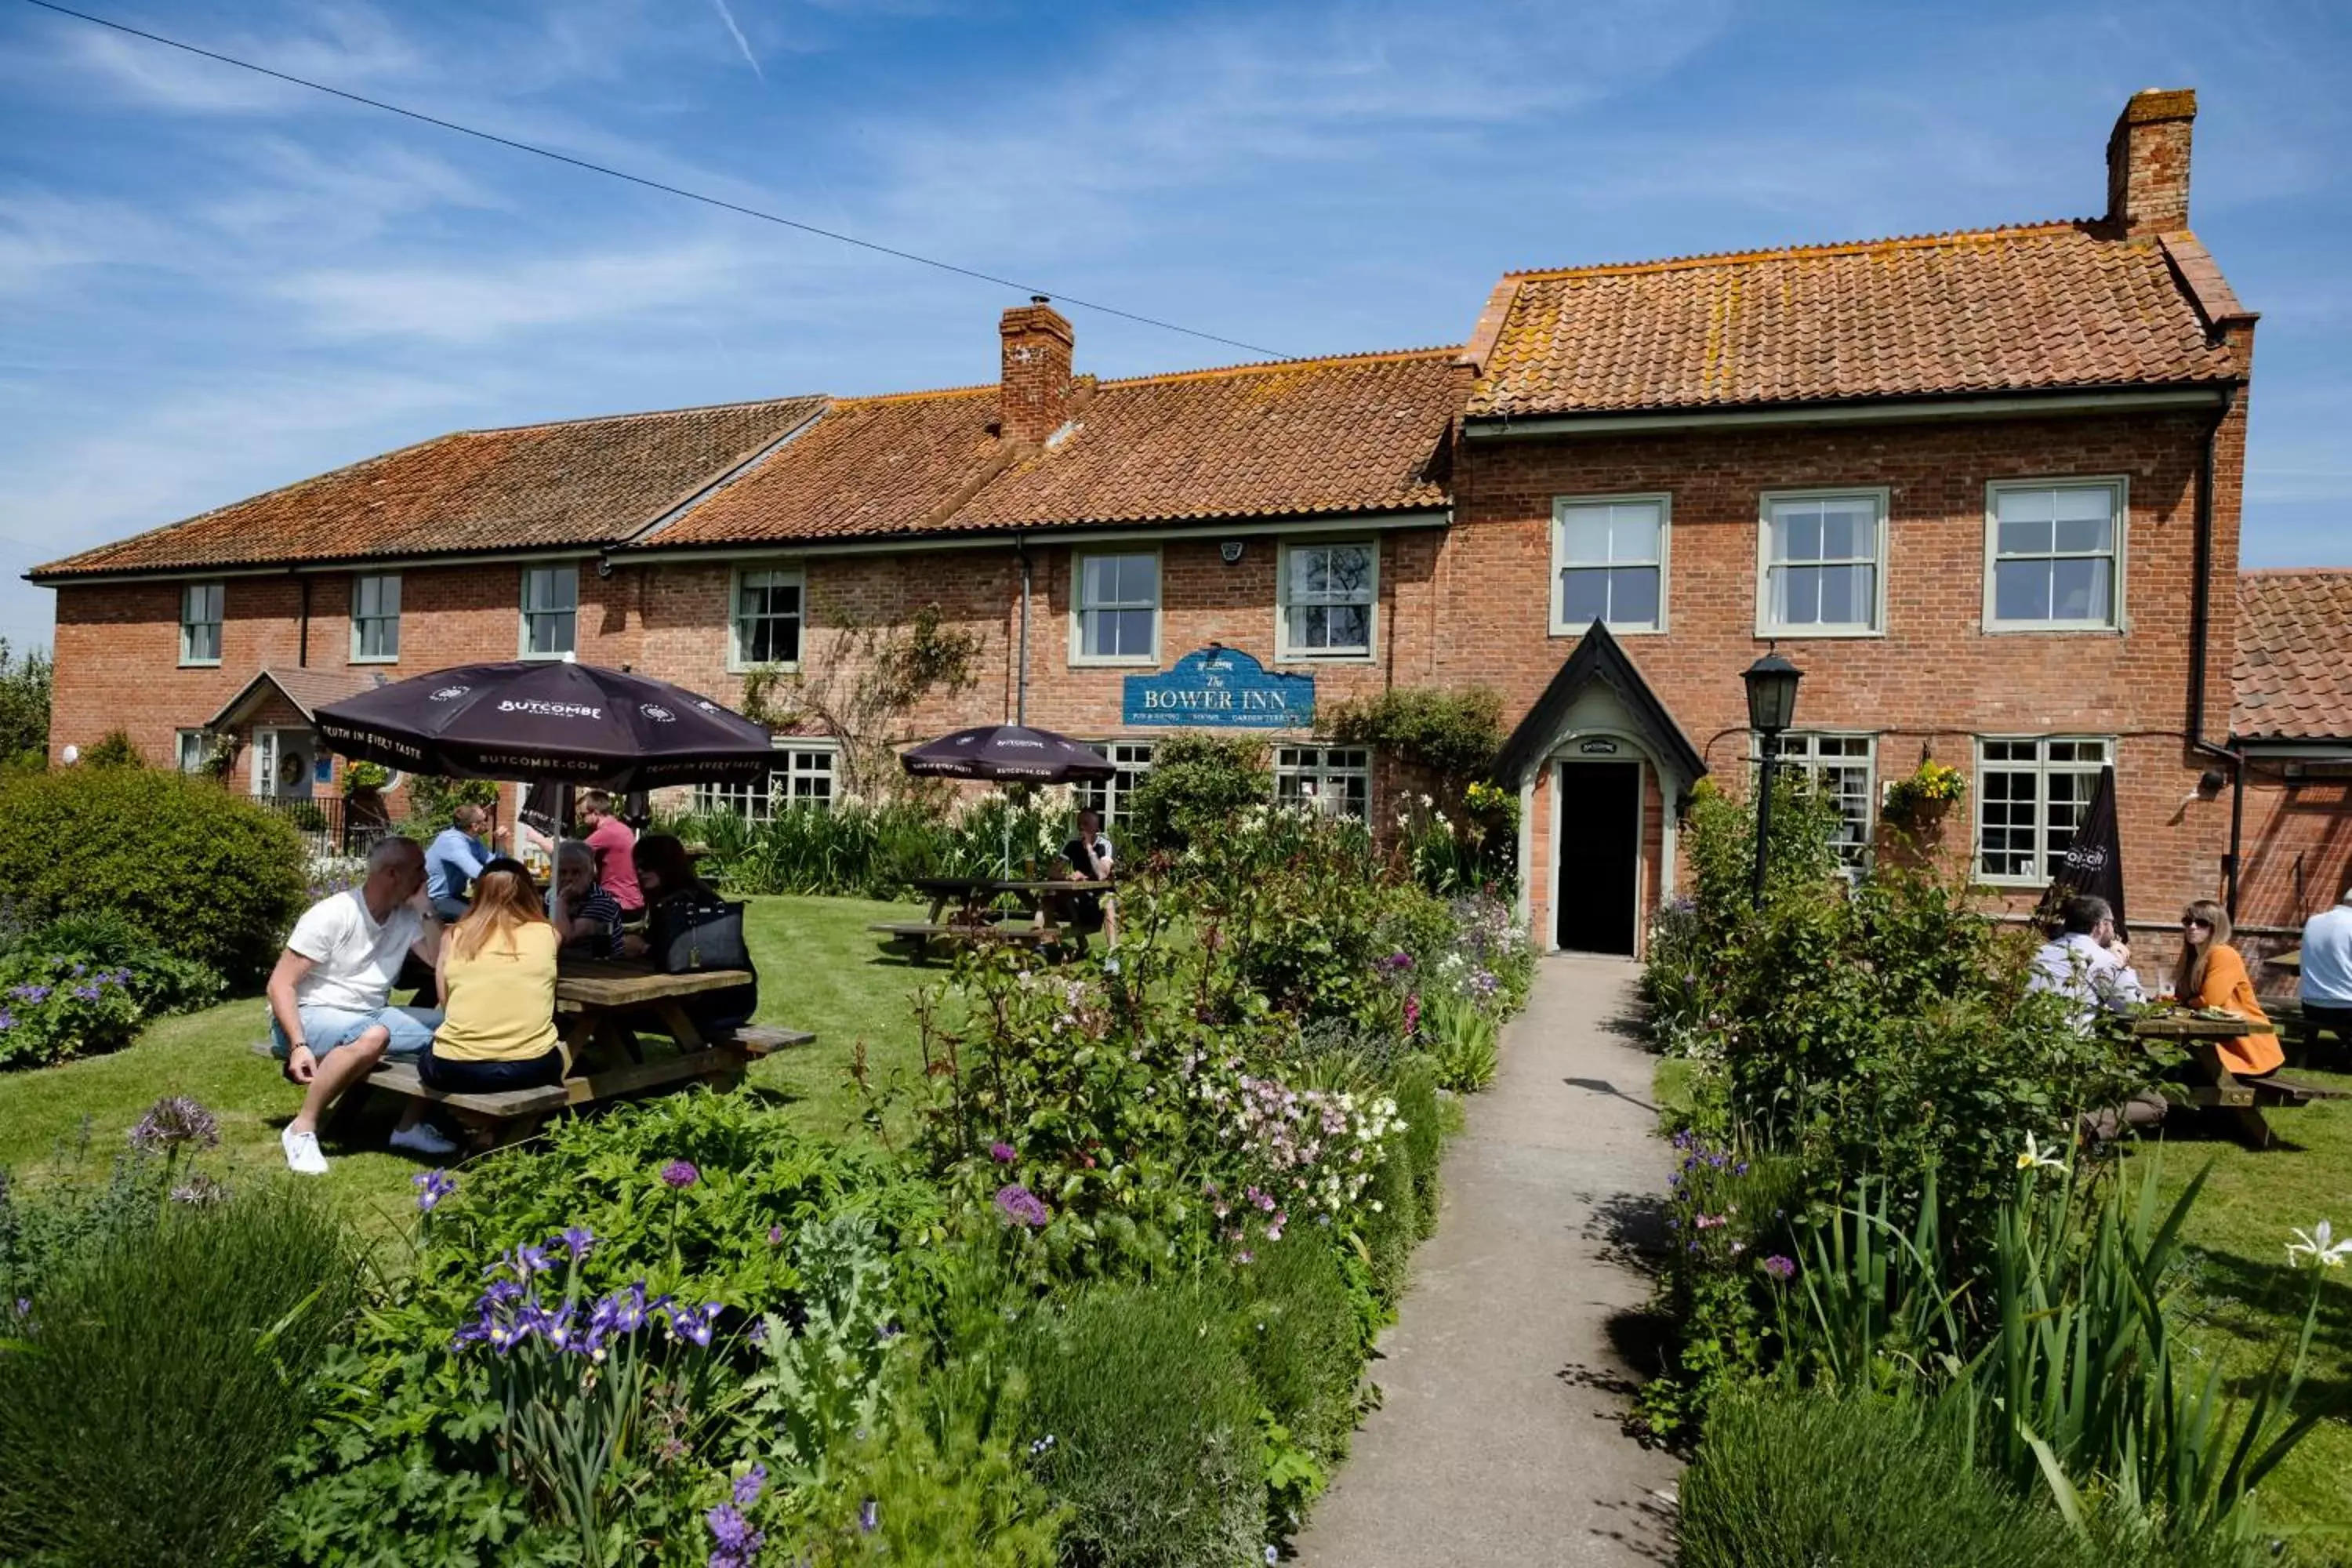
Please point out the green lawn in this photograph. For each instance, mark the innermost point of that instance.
(820, 969)
(2244, 1303)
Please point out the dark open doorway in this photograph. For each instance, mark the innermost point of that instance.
(1599, 856)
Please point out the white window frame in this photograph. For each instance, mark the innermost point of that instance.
(804, 760)
(1289, 763)
(2115, 621)
(180, 742)
(1080, 657)
(1285, 652)
(737, 661)
(359, 621)
(1855, 855)
(1664, 502)
(524, 611)
(188, 623)
(1881, 498)
(1115, 796)
(2042, 768)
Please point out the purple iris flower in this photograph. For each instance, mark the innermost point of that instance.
(869, 1515)
(574, 1239)
(432, 1186)
(680, 1175)
(693, 1323)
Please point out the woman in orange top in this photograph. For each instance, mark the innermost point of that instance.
(2213, 975)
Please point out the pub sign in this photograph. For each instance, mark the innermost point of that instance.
(1220, 687)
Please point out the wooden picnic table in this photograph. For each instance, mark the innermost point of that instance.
(972, 919)
(601, 1005)
(2244, 1099)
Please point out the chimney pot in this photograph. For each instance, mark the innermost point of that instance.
(1033, 396)
(2147, 162)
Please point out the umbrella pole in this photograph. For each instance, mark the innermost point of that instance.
(1007, 825)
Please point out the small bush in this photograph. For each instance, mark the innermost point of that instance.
(84, 983)
(1156, 1447)
(1426, 1131)
(1465, 1042)
(203, 874)
(1197, 781)
(159, 1380)
(1453, 735)
(1300, 1337)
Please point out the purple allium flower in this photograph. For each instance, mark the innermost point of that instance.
(432, 1186)
(199, 1191)
(574, 1239)
(172, 1123)
(680, 1175)
(1782, 1268)
(775, 1236)
(1002, 1153)
(1018, 1203)
(869, 1515)
(748, 1484)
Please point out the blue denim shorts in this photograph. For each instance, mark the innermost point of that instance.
(324, 1028)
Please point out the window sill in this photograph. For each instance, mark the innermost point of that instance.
(1614, 630)
(1100, 662)
(557, 658)
(200, 664)
(1822, 633)
(1363, 656)
(2011, 884)
(375, 659)
(2050, 628)
(737, 667)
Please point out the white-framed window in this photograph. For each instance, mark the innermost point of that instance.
(1333, 779)
(2030, 794)
(200, 621)
(1845, 769)
(803, 778)
(1115, 607)
(375, 617)
(1821, 564)
(1609, 563)
(1329, 591)
(190, 748)
(2054, 554)
(550, 610)
(1115, 796)
(769, 610)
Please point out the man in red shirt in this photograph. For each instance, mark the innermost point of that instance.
(616, 848)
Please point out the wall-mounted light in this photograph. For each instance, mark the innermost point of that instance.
(1230, 550)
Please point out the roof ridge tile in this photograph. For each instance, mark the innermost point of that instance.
(1825, 248)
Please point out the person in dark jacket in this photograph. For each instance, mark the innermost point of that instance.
(679, 909)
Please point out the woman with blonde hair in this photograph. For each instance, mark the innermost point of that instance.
(498, 992)
(2213, 975)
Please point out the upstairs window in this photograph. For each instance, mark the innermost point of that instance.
(550, 611)
(200, 622)
(1118, 609)
(1824, 554)
(375, 618)
(2054, 556)
(1609, 563)
(1327, 600)
(767, 618)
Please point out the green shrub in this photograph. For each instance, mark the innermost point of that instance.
(1198, 780)
(1465, 1042)
(1788, 1479)
(1425, 1131)
(1391, 1221)
(1453, 735)
(115, 749)
(159, 1379)
(202, 873)
(84, 983)
(1156, 1448)
(1301, 1338)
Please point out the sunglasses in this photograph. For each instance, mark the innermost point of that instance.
(2193, 921)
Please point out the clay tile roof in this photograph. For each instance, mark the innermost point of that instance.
(2043, 307)
(2293, 678)
(581, 482)
(1359, 433)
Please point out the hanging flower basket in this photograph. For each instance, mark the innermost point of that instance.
(1925, 795)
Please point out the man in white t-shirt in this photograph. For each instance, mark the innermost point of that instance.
(330, 1018)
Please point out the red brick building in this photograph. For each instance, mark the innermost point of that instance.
(1982, 487)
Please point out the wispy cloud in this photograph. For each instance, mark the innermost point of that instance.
(741, 42)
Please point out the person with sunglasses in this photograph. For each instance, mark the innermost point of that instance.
(2213, 975)
(2087, 960)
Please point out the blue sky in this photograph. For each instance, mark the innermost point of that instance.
(211, 284)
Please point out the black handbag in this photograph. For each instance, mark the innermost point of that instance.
(699, 931)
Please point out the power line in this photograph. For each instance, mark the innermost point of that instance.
(652, 184)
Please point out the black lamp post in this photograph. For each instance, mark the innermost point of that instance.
(1771, 705)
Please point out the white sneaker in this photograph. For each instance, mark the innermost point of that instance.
(302, 1155)
(423, 1139)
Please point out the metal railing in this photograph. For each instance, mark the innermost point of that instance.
(336, 824)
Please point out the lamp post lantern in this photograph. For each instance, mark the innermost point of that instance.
(1771, 705)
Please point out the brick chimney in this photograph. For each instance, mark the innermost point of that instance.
(2147, 162)
(1032, 399)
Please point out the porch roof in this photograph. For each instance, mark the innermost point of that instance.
(1598, 657)
(308, 689)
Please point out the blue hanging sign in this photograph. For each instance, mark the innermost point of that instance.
(1221, 688)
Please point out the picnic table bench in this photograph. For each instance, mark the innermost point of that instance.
(600, 1007)
(974, 919)
(2243, 1099)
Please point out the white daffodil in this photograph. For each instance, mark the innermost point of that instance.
(2320, 1246)
(2034, 1158)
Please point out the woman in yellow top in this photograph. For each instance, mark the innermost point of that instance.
(2213, 975)
(498, 992)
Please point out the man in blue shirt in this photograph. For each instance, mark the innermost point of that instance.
(454, 858)
(2326, 985)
